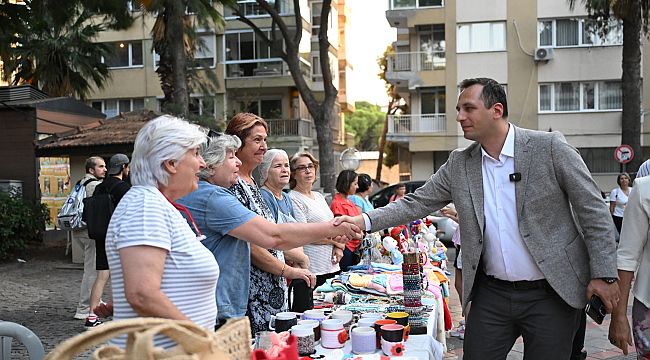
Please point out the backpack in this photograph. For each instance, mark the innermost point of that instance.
(97, 212)
(70, 215)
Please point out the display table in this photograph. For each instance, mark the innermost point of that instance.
(424, 347)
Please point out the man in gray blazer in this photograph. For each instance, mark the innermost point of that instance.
(538, 240)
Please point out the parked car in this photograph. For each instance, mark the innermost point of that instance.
(445, 226)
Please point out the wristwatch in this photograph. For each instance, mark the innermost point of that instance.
(609, 280)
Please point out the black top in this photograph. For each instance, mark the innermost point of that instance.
(118, 188)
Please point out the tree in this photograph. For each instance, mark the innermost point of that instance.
(321, 111)
(55, 50)
(635, 15)
(366, 125)
(395, 103)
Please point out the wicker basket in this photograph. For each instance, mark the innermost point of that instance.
(230, 342)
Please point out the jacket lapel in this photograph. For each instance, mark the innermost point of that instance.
(473, 167)
(523, 157)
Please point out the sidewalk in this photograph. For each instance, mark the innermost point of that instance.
(596, 343)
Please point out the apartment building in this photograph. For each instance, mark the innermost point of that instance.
(246, 74)
(558, 72)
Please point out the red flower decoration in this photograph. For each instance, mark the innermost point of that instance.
(397, 349)
(343, 337)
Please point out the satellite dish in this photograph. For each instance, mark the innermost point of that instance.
(350, 159)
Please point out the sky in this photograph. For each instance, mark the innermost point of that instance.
(370, 36)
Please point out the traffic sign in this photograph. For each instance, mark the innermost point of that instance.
(624, 154)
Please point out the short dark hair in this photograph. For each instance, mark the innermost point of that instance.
(491, 93)
(91, 162)
(344, 180)
(364, 182)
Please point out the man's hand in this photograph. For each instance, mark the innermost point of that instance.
(347, 228)
(619, 332)
(608, 293)
(356, 220)
(104, 309)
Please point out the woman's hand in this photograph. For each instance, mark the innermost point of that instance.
(337, 254)
(298, 273)
(619, 332)
(450, 213)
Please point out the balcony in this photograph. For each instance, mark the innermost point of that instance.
(408, 125)
(262, 68)
(289, 127)
(414, 4)
(401, 13)
(405, 68)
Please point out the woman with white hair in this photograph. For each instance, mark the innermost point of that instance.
(229, 227)
(153, 254)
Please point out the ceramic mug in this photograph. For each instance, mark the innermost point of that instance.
(364, 322)
(315, 324)
(392, 339)
(363, 340)
(402, 318)
(378, 324)
(372, 315)
(282, 321)
(345, 316)
(263, 340)
(305, 338)
(333, 335)
(315, 314)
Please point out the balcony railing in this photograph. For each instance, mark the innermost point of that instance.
(250, 8)
(289, 127)
(414, 4)
(262, 67)
(417, 123)
(416, 61)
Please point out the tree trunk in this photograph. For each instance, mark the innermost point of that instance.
(174, 33)
(631, 84)
(325, 149)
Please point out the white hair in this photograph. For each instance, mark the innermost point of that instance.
(163, 138)
(215, 151)
(266, 163)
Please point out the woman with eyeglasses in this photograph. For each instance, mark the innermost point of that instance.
(310, 206)
(346, 185)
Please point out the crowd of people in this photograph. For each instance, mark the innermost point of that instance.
(198, 237)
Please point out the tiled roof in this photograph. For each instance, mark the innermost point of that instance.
(121, 129)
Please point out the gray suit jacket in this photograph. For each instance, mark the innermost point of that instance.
(563, 219)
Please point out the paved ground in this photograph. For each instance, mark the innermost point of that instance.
(42, 293)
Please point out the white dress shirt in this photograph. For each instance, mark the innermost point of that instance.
(505, 255)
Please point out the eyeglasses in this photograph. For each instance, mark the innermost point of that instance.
(304, 168)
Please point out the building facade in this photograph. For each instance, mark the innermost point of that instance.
(559, 74)
(243, 73)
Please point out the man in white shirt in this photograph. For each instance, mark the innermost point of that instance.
(538, 240)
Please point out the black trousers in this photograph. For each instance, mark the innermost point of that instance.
(500, 313)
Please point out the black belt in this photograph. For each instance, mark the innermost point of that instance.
(518, 285)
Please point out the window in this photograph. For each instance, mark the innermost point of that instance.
(406, 4)
(266, 108)
(316, 9)
(580, 96)
(600, 160)
(204, 106)
(250, 8)
(578, 32)
(112, 107)
(205, 54)
(248, 46)
(432, 100)
(432, 44)
(126, 54)
(478, 37)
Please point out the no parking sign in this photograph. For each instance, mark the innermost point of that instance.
(624, 154)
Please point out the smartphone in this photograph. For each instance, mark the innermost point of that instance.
(596, 309)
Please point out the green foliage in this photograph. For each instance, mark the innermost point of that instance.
(366, 124)
(21, 221)
(390, 154)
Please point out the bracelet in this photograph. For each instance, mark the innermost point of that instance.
(284, 266)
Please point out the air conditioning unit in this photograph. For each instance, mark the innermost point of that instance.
(543, 54)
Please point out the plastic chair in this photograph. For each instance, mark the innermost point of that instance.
(9, 330)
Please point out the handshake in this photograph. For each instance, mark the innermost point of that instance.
(348, 228)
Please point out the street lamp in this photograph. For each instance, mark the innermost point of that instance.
(350, 159)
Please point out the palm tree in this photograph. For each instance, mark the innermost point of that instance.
(57, 53)
(635, 15)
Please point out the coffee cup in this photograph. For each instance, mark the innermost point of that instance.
(263, 340)
(333, 335)
(372, 315)
(364, 322)
(392, 339)
(315, 324)
(402, 318)
(314, 314)
(363, 340)
(282, 321)
(378, 325)
(305, 338)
